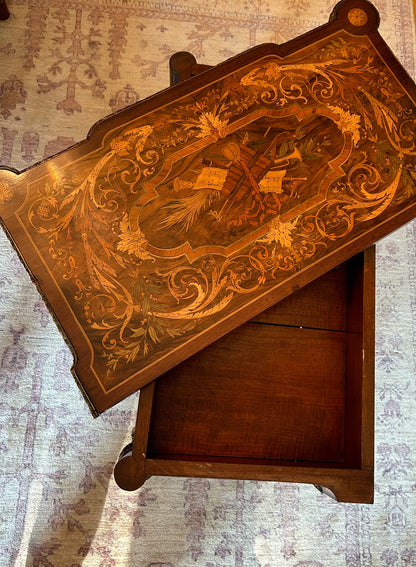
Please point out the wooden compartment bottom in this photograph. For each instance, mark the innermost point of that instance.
(260, 393)
(287, 396)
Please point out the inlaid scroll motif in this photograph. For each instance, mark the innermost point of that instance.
(192, 208)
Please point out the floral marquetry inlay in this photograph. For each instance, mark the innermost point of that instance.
(174, 217)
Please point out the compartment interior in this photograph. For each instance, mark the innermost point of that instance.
(285, 388)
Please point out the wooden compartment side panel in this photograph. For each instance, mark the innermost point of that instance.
(359, 425)
(348, 485)
(354, 363)
(368, 383)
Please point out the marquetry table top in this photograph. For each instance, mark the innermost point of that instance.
(186, 214)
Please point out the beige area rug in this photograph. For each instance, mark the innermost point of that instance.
(64, 65)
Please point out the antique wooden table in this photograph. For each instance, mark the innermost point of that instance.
(187, 214)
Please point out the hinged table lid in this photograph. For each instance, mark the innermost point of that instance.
(187, 214)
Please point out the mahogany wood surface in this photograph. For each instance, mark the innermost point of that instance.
(271, 401)
(187, 214)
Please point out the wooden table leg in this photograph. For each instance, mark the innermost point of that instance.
(183, 65)
(130, 470)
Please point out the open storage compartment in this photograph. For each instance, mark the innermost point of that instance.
(287, 396)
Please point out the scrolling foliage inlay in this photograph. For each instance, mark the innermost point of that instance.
(184, 213)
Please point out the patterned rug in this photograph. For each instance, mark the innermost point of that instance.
(64, 65)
